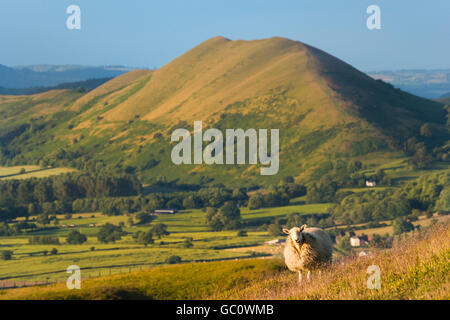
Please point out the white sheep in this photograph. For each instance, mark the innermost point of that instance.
(307, 249)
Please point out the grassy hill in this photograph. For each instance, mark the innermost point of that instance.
(325, 110)
(415, 268)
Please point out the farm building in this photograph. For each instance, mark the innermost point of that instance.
(164, 211)
(357, 241)
(370, 183)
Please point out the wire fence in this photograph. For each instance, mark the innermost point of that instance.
(62, 276)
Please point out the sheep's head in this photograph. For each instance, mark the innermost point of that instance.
(296, 235)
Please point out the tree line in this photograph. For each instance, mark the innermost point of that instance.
(56, 194)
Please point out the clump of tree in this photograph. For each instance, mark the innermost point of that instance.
(160, 230)
(320, 220)
(343, 244)
(321, 192)
(109, 233)
(423, 193)
(144, 237)
(144, 218)
(402, 225)
(16, 228)
(275, 229)
(228, 217)
(242, 233)
(19, 198)
(379, 241)
(417, 150)
(6, 230)
(10, 211)
(76, 237)
(205, 197)
(277, 196)
(443, 202)
(371, 206)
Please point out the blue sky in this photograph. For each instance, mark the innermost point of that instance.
(145, 33)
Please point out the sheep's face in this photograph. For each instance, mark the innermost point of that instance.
(296, 235)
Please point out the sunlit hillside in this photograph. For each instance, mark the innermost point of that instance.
(325, 110)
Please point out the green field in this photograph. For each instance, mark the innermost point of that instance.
(7, 171)
(30, 263)
(10, 173)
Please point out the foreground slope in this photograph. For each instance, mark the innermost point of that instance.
(415, 268)
(325, 109)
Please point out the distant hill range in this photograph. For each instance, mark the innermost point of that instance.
(80, 86)
(326, 111)
(429, 84)
(446, 95)
(53, 75)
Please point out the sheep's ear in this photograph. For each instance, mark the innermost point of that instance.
(286, 231)
(302, 227)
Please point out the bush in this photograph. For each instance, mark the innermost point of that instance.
(6, 254)
(227, 218)
(144, 217)
(242, 233)
(344, 244)
(75, 237)
(160, 230)
(401, 225)
(144, 238)
(255, 202)
(274, 230)
(173, 260)
(109, 233)
(54, 251)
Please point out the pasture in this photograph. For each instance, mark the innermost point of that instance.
(27, 172)
(34, 262)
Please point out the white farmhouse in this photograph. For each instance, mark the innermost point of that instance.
(370, 183)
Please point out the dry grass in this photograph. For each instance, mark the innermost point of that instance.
(416, 268)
